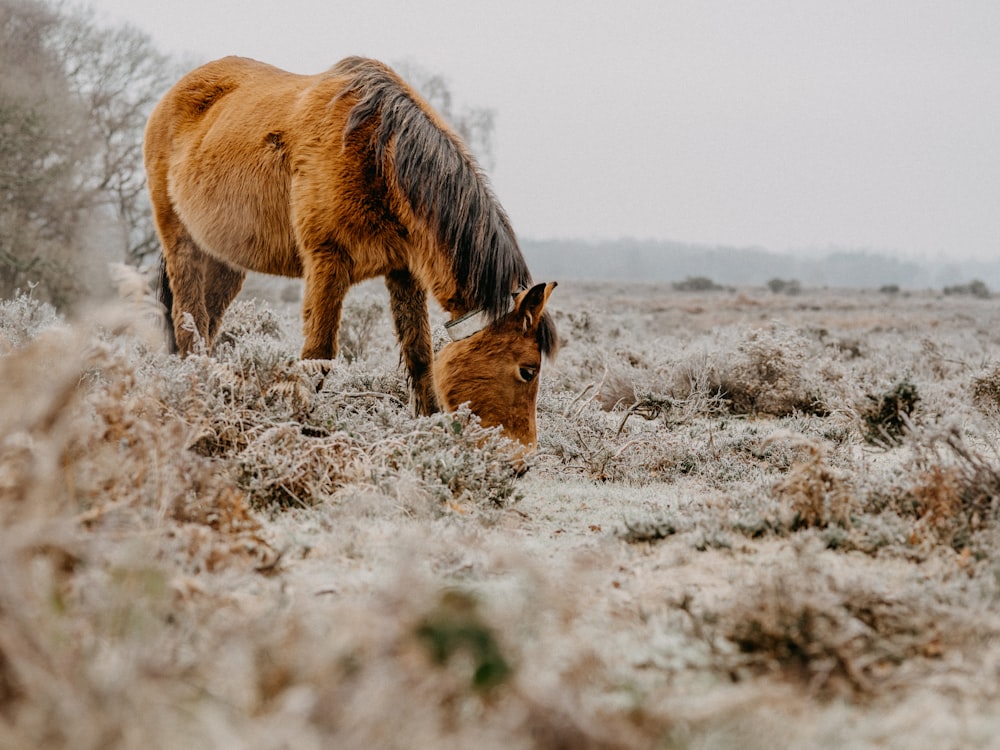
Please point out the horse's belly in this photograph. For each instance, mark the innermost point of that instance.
(244, 239)
(237, 210)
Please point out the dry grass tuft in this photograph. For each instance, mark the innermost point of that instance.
(768, 375)
(818, 494)
(955, 497)
(282, 466)
(838, 637)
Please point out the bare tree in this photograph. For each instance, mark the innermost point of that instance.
(118, 75)
(43, 148)
(474, 124)
(74, 97)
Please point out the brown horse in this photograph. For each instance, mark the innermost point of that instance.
(337, 178)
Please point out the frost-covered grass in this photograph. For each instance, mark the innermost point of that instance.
(755, 520)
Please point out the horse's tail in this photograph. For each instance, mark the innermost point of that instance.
(165, 296)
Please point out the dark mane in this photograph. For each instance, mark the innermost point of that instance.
(445, 187)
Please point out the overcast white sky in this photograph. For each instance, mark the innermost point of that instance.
(789, 124)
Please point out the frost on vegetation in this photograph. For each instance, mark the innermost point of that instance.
(234, 549)
(835, 634)
(23, 318)
(951, 493)
(92, 440)
(681, 410)
(450, 458)
(246, 321)
(771, 371)
(945, 493)
(986, 390)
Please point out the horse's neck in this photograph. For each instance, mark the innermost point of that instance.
(435, 271)
(440, 283)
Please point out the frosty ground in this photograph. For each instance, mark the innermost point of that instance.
(754, 520)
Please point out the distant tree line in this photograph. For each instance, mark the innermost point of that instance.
(688, 266)
(975, 288)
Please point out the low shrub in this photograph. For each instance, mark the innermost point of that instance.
(697, 284)
(886, 416)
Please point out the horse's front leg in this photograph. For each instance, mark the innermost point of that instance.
(413, 329)
(327, 279)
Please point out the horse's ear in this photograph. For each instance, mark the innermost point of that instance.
(530, 304)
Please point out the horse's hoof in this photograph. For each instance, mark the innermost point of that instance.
(317, 370)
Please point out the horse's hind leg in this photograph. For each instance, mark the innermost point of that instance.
(185, 266)
(222, 284)
(165, 297)
(409, 313)
(201, 286)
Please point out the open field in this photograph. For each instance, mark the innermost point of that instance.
(755, 520)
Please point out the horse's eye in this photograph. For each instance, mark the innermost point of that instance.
(527, 373)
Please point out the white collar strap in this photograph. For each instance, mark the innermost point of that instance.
(468, 325)
(471, 323)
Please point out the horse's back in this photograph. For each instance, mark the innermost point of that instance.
(193, 101)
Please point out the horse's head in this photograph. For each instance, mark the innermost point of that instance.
(496, 369)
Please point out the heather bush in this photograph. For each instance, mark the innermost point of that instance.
(986, 390)
(697, 284)
(23, 318)
(887, 414)
(834, 633)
